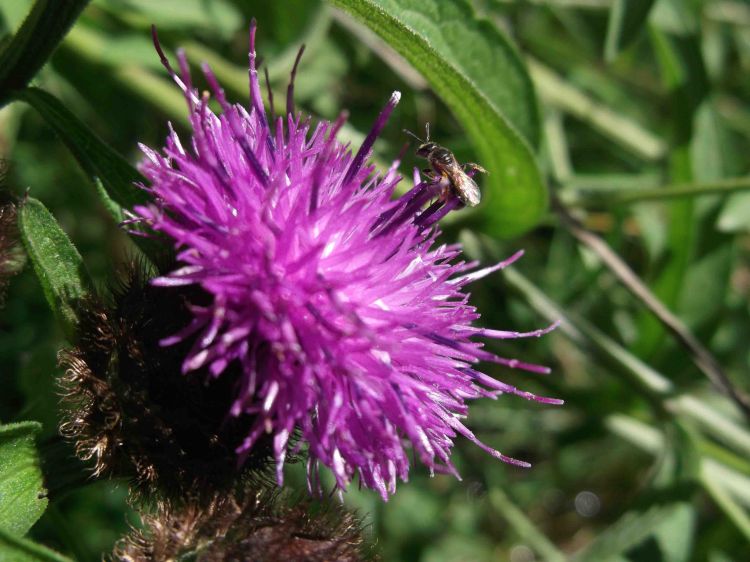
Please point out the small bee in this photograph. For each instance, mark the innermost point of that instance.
(445, 165)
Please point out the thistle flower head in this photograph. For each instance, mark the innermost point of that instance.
(347, 317)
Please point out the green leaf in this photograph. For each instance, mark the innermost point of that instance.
(26, 53)
(626, 21)
(22, 496)
(675, 533)
(735, 216)
(712, 152)
(95, 157)
(56, 261)
(706, 287)
(478, 74)
(17, 549)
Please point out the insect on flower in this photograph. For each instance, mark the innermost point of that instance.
(444, 165)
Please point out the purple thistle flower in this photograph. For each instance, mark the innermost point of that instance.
(349, 319)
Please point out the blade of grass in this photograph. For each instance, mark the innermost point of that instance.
(625, 132)
(734, 512)
(702, 357)
(524, 527)
(676, 44)
(627, 532)
(651, 383)
(17, 549)
(557, 145)
(89, 44)
(654, 386)
(626, 21)
(721, 483)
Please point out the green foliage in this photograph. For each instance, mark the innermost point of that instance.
(634, 114)
(19, 549)
(23, 56)
(626, 21)
(97, 159)
(22, 496)
(112, 176)
(668, 526)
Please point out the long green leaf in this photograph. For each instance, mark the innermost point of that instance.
(26, 53)
(95, 157)
(112, 176)
(474, 47)
(22, 499)
(17, 549)
(473, 68)
(56, 261)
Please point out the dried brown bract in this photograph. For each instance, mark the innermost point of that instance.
(256, 525)
(12, 255)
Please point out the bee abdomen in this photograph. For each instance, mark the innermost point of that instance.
(443, 156)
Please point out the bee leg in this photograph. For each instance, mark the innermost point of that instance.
(430, 174)
(471, 168)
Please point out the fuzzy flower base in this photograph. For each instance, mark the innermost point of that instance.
(348, 318)
(256, 525)
(128, 407)
(12, 255)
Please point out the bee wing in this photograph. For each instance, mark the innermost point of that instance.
(467, 189)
